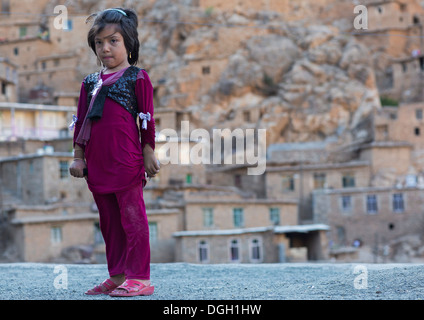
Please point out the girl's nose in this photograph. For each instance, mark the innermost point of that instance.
(106, 47)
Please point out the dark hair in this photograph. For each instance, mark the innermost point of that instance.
(126, 25)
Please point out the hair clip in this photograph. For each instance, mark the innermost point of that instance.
(119, 10)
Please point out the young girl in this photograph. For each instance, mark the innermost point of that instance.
(108, 152)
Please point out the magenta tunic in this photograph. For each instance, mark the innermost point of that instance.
(114, 154)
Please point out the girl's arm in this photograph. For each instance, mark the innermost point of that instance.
(77, 166)
(151, 165)
(144, 92)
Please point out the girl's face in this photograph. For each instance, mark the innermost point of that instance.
(110, 49)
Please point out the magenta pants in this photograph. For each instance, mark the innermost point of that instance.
(125, 230)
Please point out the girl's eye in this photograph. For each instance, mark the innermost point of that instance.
(114, 41)
(98, 43)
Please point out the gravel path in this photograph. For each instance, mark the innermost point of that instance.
(181, 281)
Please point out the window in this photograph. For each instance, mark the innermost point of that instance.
(69, 25)
(319, 180)
(341, 235)
(419, 114)
(153, 232)
(64, 133)
(5, 6)
(411, 180)
(288, 183)
(415, 19)
(274, 216)
(64, 169)
(203, 251)
(22, 32)
(56, 235)
(31, 166)
(206, 70)
(346, 203)
(237, 180)
(246, 116)
(417, 131)
(238, 217)
(372, 206)
(189, 178)
(235, 250)
(348, 180)
(398, 203)
(3, 88)
(208, 217)
(255, 250)
(404, 67)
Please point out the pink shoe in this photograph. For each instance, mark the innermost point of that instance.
(105, 287)
(131, 288)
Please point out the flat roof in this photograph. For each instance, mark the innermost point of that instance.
(276, 229)
(41, 107)
(37, 155)
(54, 218)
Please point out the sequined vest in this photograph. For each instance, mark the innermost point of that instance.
(122, 91)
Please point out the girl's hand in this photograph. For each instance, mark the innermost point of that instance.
(77, 168)
(151, 164)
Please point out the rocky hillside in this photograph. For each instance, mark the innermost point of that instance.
(301, 82)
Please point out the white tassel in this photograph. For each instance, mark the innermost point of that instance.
(74, 121)
(145, 118)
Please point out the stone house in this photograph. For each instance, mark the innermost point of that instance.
(395, 35)
(383, 15)
(370, 215)
(51, 60)
(225, 227)
(43, 210)
(389, 206)
(404, 78)
(398, 21)
(23, 52)
(401, 124)
(8, 80)
(34, 121)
